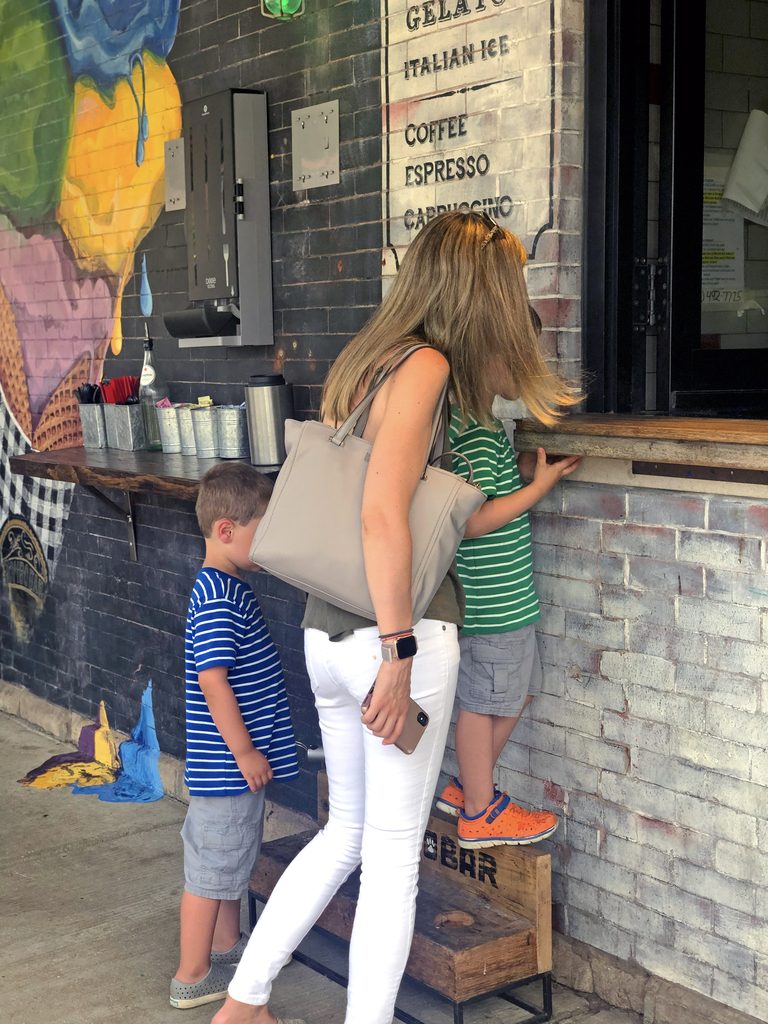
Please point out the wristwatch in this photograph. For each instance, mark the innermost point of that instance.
(397, 650)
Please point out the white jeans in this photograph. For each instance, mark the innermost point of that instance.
(379, 800)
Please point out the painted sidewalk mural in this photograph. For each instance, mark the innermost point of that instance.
(87, 102)
(130, 775)
(94, 761)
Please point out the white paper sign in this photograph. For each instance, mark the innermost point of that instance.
(722, 254)
(467, 96)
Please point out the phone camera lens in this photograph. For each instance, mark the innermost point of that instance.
(421, 718)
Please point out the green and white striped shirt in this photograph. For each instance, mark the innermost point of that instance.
(496, 571)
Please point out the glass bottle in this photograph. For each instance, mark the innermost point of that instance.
(151, 390)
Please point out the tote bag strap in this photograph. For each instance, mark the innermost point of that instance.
(342, 432)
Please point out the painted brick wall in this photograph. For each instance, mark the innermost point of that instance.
(108, 624)
(650, 735)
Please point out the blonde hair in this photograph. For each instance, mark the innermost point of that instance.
(461, 289)
(231, 490)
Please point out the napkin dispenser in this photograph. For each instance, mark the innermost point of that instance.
(226, 221)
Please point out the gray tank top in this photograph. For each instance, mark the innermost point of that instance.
(446, 606)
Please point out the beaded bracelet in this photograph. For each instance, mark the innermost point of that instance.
(397, 633)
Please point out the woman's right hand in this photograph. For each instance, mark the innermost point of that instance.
(387, 711)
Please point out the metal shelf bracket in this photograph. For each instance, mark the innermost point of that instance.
(126, 513)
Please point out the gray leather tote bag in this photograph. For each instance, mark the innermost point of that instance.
(311, 533)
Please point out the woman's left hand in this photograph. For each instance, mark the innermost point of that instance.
(387, 711)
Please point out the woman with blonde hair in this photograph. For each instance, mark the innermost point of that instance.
(461, 294)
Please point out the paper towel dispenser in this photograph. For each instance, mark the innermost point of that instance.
(226, 222)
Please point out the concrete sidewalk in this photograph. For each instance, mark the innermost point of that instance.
(89, 896)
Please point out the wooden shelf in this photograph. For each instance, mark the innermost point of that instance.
(662, 428)
(177, 476)
(680, 440)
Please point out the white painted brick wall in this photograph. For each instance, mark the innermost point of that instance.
(728, 892)
(650, 737)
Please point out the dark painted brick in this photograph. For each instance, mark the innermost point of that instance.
(342, 17)
(299, 372)
(306, 218)
(334, 241)
(360, 210)
(328, 78)
(185, 43)
(200, 12)
(350, 320)
(305, 321)
(358, 40)
(224, 30)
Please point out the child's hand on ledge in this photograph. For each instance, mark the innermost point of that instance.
(535, 467)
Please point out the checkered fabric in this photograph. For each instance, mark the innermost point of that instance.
(43, 503)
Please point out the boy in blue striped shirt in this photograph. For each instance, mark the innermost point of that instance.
(239, 733)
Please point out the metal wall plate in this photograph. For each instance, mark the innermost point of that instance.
(175, 182)
(315, 145)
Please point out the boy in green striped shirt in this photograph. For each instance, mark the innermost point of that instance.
(500, 667)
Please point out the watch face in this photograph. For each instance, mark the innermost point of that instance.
(406, 647)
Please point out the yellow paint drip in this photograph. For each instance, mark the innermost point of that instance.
(84, 772)
(108, 202)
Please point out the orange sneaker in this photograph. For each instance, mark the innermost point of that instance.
(451, 800)
(504, 823)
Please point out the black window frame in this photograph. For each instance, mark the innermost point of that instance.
(689, 379)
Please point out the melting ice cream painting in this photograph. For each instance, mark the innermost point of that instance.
(94, 761)
(130, 775)
(87, 102)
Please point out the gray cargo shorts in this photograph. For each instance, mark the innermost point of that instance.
(498, 671)
(222, 838)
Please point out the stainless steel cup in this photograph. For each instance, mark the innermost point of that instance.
(188, 445)
(125, 427)
(170, 435)
(206, 428)
(233, 432)
(94, 427)
(268, 403)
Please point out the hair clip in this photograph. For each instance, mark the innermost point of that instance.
(489, 222)
(490, 235)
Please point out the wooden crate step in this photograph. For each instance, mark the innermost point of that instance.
(483, 919)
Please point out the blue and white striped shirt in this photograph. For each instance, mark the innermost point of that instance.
(225, 629)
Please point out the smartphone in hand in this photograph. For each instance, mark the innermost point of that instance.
(416, 722)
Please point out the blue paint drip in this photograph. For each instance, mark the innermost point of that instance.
(145, 292)
(139, 779)
(101, 37)
(142, 126)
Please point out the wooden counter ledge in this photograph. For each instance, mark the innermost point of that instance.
(693, 441)
(176, 476)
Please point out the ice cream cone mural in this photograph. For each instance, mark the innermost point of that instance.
(87, 102)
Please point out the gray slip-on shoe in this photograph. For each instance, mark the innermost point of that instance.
(231, 956)
(210, 988)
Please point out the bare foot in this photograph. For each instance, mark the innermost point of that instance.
(234, 1012)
